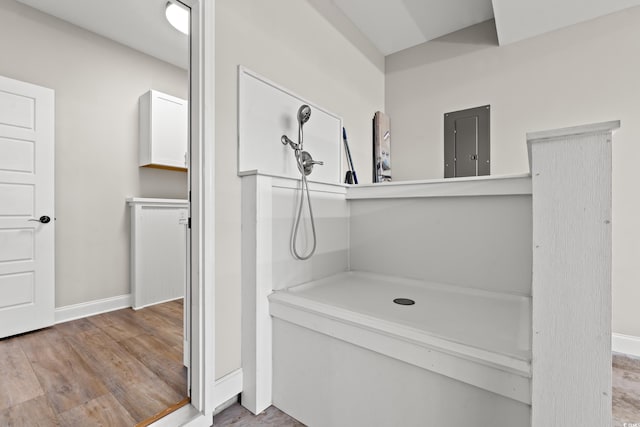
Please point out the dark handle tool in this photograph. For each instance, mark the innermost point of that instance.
(350, 177)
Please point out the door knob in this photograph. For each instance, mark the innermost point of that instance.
(43, 219)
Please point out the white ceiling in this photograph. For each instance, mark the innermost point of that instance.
(391, 25)
(394, 25)
(520, 19)
(139, 24)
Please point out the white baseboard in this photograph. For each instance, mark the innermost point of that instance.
(140, 307)
(91, 308)
(227, 388)
(625, 344)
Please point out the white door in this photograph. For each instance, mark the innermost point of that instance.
(27, 288)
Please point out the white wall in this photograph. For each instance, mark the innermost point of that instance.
(266, 113)
(478, 242)
(331, 218)
(292, 44)
(97, 83)
(582, 74)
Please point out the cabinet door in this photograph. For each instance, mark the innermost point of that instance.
(159, 253)
(169, 130)
(163, 131)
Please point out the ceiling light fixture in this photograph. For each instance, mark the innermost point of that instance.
(178, 17)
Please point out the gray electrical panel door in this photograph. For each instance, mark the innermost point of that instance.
(466, 142)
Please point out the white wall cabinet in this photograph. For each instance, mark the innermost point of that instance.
(163, 131)
(158, 250)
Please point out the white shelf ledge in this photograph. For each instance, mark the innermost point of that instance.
(570, 132)
(156, 202)
(450, 187)
(603, 127)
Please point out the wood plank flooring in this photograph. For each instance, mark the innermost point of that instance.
(113, 369)
(626, 391)
(123, 367)
(238, 416)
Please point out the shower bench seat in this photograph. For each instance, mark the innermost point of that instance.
(477, 337)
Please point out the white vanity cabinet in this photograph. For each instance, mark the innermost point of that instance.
(163, 131)
(158, 250)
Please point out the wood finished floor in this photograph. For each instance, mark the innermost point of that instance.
(626, 391)
(113, 369)
(119, 368)
(238, 416)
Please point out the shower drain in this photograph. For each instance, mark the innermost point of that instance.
(404, 301)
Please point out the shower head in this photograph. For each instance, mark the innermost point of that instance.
(304, 112)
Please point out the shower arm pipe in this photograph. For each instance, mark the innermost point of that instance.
(286, 141)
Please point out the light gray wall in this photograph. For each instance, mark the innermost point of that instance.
(478, 242)
(291, 43)
(331, 218)
(581, 74)
(97, 83)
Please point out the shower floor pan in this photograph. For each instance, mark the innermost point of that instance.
(472, 336)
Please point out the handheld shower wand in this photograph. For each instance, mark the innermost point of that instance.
(305, 166)
(304, 113)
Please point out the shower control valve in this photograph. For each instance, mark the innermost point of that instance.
(306, 163)
(313, 162)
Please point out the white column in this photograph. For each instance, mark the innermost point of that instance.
(571, 287)
(256, 286)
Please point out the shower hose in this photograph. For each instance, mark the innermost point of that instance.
(294, 235)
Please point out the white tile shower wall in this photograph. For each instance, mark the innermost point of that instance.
(331, 215)
(479, 242)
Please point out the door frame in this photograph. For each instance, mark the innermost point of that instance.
(202, 214)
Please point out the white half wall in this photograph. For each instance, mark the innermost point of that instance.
(293, 44)
(326, 371)
(571, 286)
(97, 84)
(268, 212)
(581, 74)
